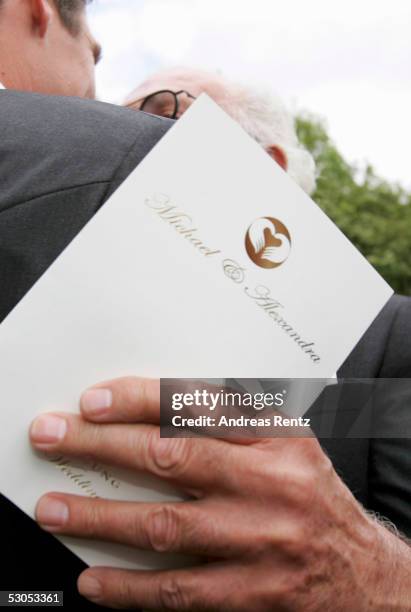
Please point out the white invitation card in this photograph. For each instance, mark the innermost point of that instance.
(208, 262)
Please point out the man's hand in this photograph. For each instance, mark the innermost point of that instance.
(275, 525)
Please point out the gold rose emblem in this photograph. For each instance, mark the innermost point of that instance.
(268, 242)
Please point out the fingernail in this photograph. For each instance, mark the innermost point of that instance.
(51, 513)
(96, 401)
(48, 429)
(89, 586)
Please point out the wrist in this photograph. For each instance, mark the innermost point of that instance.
(389, 575)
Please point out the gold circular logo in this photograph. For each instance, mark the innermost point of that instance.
(268, 242)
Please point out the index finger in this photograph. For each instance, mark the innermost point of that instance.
(137, 400)
(123, 400)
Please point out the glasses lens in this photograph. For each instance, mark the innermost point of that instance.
(162, 104)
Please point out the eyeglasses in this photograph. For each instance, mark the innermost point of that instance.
(165, 103)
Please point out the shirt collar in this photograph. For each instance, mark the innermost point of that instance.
(2, 86)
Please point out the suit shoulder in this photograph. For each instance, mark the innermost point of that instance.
(367, 358)
(397, 357)
(54, 143)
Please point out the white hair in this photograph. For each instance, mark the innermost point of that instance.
(265, 118)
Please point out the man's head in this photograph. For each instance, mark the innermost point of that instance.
(262, 116)
(46, 47)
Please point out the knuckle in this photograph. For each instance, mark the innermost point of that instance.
(133, 390)
(145, 388)
(173, 596)
(287, 594)
(141, 392)
(327, 466)
(168, 455)
(302, 488)
(270, 472)
(288, 539)
(126, 397)
(315, 466)
(163, 529)
(294, 542)
(83, 439)
(310, 451)
(91, 519)
(124, 591)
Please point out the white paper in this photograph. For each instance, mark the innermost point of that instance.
(133, 296)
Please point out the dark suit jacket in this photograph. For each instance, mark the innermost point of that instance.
(378, 470)
(60, 159)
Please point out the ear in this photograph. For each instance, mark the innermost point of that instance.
(41, 16)
(279, 156)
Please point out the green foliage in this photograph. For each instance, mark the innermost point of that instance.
(374, 214)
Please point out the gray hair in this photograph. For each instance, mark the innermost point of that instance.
(265, 118)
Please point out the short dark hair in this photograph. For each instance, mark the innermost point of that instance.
(69, 12)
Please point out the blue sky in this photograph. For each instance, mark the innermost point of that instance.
(347, 61)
